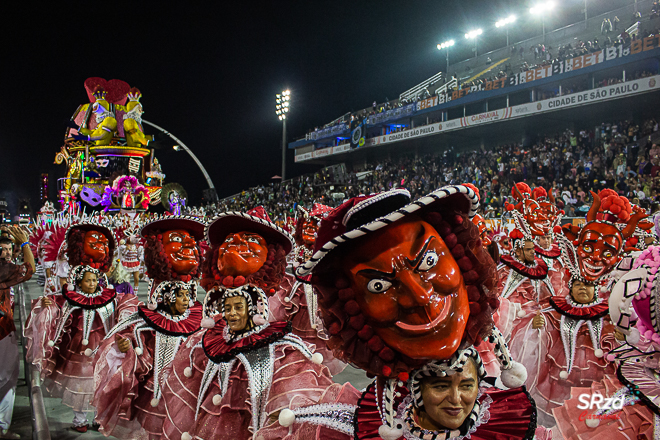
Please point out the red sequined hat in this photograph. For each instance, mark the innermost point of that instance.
(364, 214)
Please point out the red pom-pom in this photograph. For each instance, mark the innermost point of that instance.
(228, 281)
(346, 294)
(352, 308)
(516, 234)
(403, 376)
(335, 328)
(366, 333)
(458, 220)
(473, 293)
(475, 308)
(386, 354)
(375, 344)
(357, 322)
(465, 264)
(458, 251)
(494, 303)
(615, 209)
(239, 281)
(557, 229)
(451, 240)
(471, 277)
(386, 371)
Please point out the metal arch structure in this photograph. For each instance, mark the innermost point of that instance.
(188, 150)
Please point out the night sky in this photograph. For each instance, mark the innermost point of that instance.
(209, 74)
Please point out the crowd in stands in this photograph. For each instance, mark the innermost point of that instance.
(613, 33)
(623, 155)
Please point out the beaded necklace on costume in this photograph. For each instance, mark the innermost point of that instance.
(479, 415)
(106, 312)
(259, 362)
(167, 344)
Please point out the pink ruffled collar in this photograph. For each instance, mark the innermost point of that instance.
(564, 306)
(536, 272)
(163, 322)
(93, 301)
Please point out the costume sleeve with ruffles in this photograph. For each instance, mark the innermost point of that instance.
(40, 327)
(117, 378)
(333, 395)
(289, 305)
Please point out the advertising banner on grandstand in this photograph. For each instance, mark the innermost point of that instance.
(391, 115)
(427, 103)
(327, 132)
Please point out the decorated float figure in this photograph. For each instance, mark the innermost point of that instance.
(131, 362)
(400, 284)
(296, 300)
(133, 130)
(64, 328)
(569, 338)
(105, 120)
(233, 377)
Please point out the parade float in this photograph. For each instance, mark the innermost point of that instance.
(110, 161)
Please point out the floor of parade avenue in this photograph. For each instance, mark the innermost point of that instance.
(60, 416)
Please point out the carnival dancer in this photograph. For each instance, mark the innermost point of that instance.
(296, 300)
(38, 240)
(633, 410)
(400, 284)
(448, 399)
(131, 252)
(10, 275)
(231, 378)
(64, 328)
(575, 330)
(130, 364)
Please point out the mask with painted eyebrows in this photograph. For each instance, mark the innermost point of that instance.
(598, 250)
(410, 289)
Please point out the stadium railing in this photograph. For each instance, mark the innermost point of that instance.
(40, 429)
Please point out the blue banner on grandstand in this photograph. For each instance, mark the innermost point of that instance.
(328, 132)
(391, 115)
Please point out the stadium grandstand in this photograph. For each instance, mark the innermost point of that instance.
(575, 113)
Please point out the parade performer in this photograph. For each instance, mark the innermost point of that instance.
(131, 253)
(64, 328)
(569, 338)
(10, 275)
(400, 284)
(130, 363)
(448, 399)
(230, 379)
(633, 411)
(295, 300)
(133, 130)
(38, 240)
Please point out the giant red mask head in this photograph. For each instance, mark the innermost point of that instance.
(242, 254)
(483, 229)
(181, 251)
(598, 250)
(538, 221)
(410, 289)
(309, 228)
(95, 245)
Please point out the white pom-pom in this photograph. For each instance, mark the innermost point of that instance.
(217, 399)
(154, 402)
(387, 433)
(521, 314)
(258, 320)
(287, 299)
(592, 423)
(317, 358)
(151, 306)
(138, 351)
(70, 287)
(633, 337)
(110, 286)
(563, 375)
(187, 372)
(287, 417)
(186, 436)
(515, 376)
(88, 352)
(207, 323)
(51, 343)
(85, 342)
(598, 353)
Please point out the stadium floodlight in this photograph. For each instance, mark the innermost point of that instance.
(542, 9)
(473, 35)
(503, 23)
(282, 105)
(446, 45)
